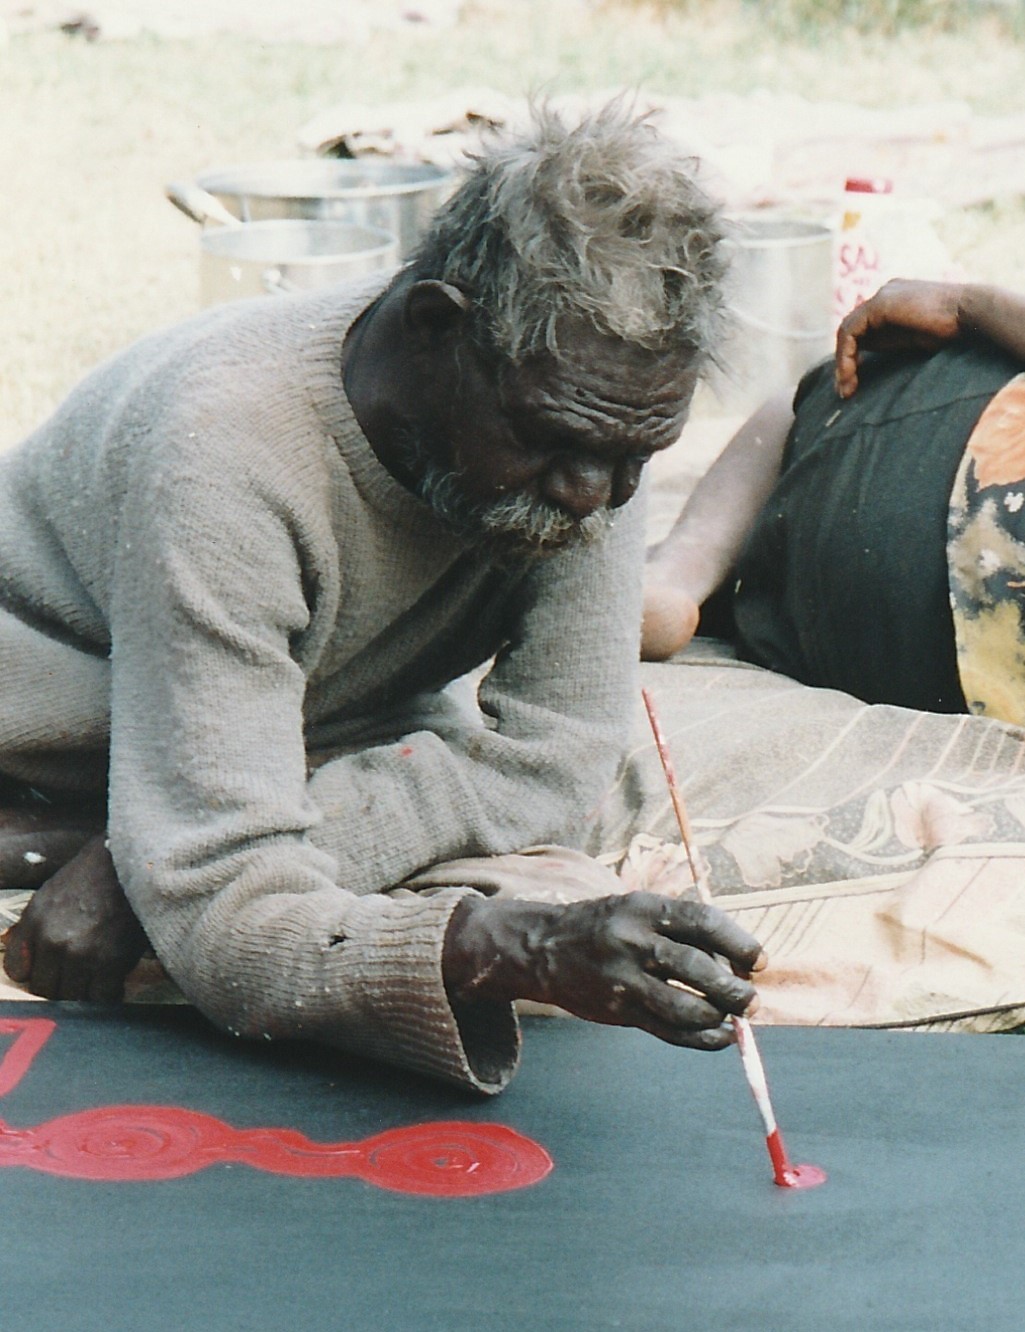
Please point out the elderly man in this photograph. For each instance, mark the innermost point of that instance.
(243, 561)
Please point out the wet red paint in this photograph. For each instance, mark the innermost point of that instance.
(453, 1159)
(149, 1142)
(789, 1176)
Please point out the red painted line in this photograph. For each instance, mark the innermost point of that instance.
(30, 1035)
(453, 1159)
(151, 1142)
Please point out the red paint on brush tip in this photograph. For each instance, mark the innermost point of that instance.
(789, 1176)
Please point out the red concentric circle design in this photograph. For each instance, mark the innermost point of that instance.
(454, 1159)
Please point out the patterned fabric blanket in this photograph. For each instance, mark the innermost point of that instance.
(877, 852)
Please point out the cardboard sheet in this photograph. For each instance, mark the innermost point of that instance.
(660, 1211)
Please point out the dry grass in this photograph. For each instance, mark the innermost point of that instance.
(92, 255)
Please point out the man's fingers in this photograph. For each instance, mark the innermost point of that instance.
(694, 968)
(708, 928)
(76, 977)
(58, 974)
(846, 369)
(664, 1009)
(680, 1009)
(682, 1019)
(711, 1038)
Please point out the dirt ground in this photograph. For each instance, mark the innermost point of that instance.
(311, 21)
(97, 122)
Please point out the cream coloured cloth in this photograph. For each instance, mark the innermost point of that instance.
(877, 852)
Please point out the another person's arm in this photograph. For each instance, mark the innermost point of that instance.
(906, 314)
(696, 557)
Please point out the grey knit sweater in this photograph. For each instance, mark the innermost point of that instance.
(207, 576)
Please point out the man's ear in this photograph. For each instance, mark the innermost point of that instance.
(433, 309)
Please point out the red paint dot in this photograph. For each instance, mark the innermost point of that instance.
(406, 751)
(802, 1177)
(789, 1176)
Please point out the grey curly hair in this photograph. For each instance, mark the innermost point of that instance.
(604, 220)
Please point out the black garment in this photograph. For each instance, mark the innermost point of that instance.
(843, 580)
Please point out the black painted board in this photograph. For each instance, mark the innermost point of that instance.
(660, 1212)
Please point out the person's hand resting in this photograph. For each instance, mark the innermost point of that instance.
(638, 960)
(78, 938)
(903, 315)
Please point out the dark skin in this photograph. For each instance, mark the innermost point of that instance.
(575, 432)
(78, 938)
(623, 961)
(39, 834)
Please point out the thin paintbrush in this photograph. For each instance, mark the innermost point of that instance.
(786, 1175)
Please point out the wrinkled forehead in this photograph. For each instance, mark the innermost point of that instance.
(594, 372)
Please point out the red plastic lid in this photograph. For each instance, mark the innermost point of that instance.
(868, 185)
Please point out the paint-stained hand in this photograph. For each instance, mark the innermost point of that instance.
(78, 938)
(637, 960)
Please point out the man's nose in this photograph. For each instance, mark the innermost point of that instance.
(581, 486)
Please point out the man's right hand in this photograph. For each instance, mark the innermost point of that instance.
(637, 960)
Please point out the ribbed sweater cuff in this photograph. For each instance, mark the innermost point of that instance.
(412, 1022)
